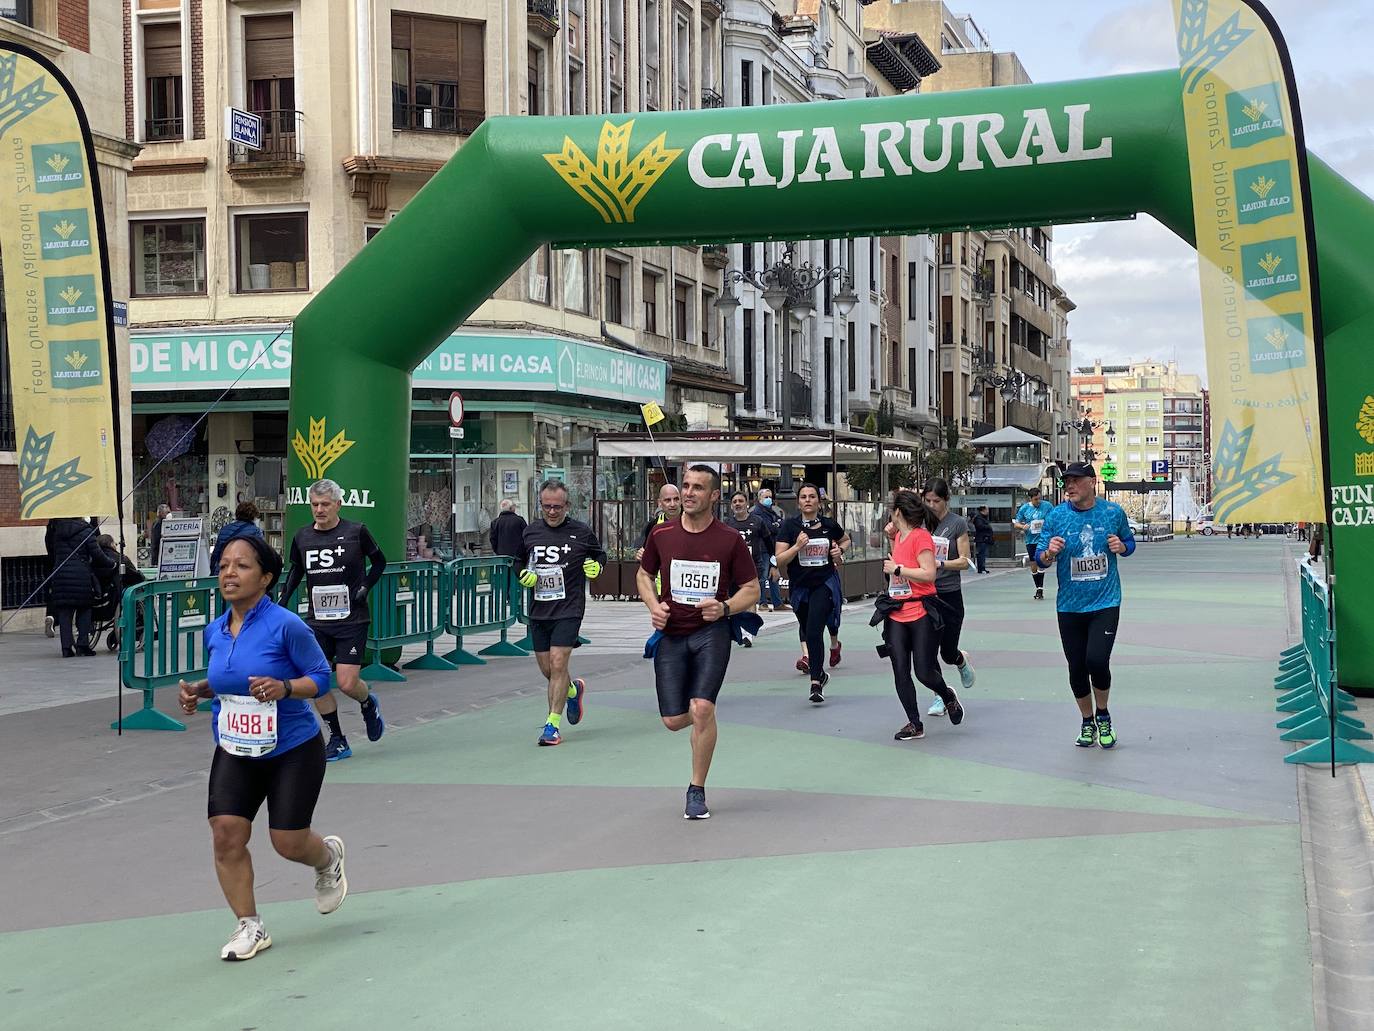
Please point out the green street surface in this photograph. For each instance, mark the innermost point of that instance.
(989, 876)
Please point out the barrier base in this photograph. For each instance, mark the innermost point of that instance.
(526, 643)
(1299, 718)
(1297, 678)
(1301, 692)
(1290, 651)
(206, 705)
(1297, 704)
(429, 660)
(1319, 729)
(460, 656)
(148, 718)
(1319, 753)
(504, 649)
(381, 674)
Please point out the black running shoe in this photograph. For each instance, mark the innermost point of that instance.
(818, 690)
(953, 708)
(911, 732)
(696, 805)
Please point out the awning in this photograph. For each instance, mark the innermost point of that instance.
(1007, 436)
(773, 452)
(1023, 476)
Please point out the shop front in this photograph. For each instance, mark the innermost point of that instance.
(534, 405)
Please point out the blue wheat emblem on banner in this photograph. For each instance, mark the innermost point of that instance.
(1233, 485)
(1198, 51)
(15, 106)
(37, 483)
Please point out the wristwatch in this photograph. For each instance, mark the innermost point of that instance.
(726, 605)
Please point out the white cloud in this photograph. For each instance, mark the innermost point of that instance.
(1137, 38)
(1136, 287)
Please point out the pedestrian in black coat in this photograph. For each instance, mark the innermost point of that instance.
(77, 562)
(507, 530)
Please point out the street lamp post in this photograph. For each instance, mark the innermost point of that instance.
(1085, 427)
(789, 291)
(1012, 385)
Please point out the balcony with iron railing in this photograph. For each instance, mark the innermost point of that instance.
(282, 155)
(542, 17)
(455, 121)
(163, 130)
(801, 398)
(711, 98)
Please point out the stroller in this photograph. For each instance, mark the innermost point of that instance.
(107, 610)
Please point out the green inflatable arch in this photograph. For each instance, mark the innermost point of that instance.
(1026, 155)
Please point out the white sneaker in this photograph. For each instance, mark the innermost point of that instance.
(49, 626)
(937, 708)
(250, 939)
(331, 886)
(966, 674)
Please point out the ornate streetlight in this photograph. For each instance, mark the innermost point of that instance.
(1085, 427)
(788, 289)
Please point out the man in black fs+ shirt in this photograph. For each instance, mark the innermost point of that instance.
(330, 556)
(558, 556)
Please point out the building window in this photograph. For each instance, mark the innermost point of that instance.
(828, 372)
(17, 10)
(746, 83)
(1154, 440)
(369, 231)
(615, 283)
(575, 294)
(853, 356)
(748, 359)
(682, 299)
(162, 96)
(651, 284)
(270, 69)
(535, 82)
(1152, 406)
(438, 77)
(708, 318)
(651, 57)
(682, 61)
(766, 86)
(273, 252)
(7, 432)
(168, 257)
(616, 56)
(539, 275)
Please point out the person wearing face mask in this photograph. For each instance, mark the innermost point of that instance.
(816, 544)
(772, 515)
(951, 540)
(1083, 539)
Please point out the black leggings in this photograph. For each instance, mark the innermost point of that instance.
(1088, 638)
(954, 624)
(915, 645)
(812, 618)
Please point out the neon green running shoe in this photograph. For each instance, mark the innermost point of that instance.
(1105, 737)
(1087, 735)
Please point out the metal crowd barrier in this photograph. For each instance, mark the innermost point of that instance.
(161, 628)
(407, 606)
(162, 622)
(1315, 703)
(484, 595)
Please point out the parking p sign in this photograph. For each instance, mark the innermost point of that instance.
(1159, 467)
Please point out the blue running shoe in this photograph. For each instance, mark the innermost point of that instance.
(695, 808)
(550, 735)
(372, 716)
(576, 705)
(337, 749)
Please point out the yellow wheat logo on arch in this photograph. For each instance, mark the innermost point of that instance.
(1364, 425)
(315, 454)
(615, 183)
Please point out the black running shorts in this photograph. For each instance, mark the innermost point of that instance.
(289, 783)
(691, 666)
(554, 633)
(344, 646)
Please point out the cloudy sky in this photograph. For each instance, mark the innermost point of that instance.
(1135, 283)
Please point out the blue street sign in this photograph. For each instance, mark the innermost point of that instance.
(243, 128)
(1159, 467)
(120, 310)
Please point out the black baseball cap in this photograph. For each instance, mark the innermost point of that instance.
(1079, 469)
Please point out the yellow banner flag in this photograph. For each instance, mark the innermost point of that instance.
(53, 249)
(653, 414)
(1254, 262)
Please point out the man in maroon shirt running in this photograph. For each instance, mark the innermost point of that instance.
(700, 558)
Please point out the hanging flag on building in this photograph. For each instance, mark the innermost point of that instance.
(56, 282)
(1257, 261)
